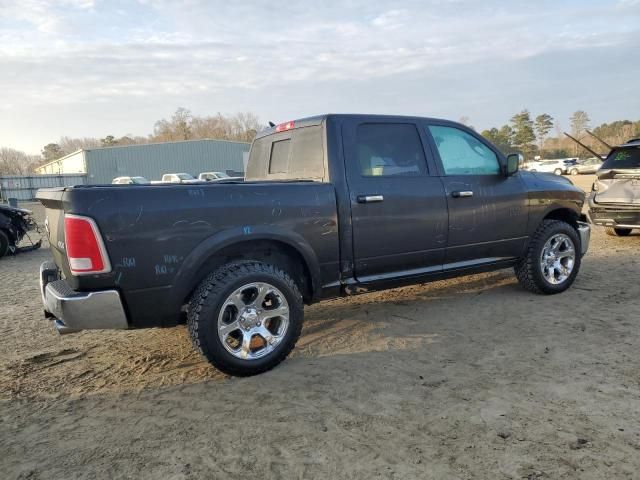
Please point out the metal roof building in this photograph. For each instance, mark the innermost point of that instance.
(152, 160)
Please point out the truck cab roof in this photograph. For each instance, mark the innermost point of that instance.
(319, 119)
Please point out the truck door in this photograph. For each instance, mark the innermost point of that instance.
(398, 208)
(488, 212)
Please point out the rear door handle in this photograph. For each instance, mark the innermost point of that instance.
(462, 193)
(370, 198)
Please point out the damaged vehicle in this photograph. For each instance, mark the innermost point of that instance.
(15, 223)
(615, 199)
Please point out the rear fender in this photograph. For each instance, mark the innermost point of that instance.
(187, 277)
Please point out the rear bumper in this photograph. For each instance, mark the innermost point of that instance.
(613, 216)
(74, 311)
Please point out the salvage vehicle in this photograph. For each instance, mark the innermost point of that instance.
(209, 176)
(217, 177)
(615, 201)
(177, 178)
(331, 205)
(15, 223)
(130, 181)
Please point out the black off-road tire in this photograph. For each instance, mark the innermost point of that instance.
(4, 243)
(209, 297)
(529, 271)
(618, 232)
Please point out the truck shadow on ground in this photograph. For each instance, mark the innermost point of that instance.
(112, 361)
(400, 320)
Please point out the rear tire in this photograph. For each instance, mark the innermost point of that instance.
(557, 171)
(223, 315)
(537, 270)
(574, 171)
(4, 243)
(618, 232)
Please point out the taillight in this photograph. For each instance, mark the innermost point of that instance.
(283, 127)
(84, 246)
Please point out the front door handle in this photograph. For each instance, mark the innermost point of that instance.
(370, 198)
(462, 193)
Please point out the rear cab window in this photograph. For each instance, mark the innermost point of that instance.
(279, 158)
(296, 154)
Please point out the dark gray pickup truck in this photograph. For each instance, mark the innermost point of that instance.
(331, 205)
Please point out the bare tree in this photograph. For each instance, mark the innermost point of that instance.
(15, 162)
(579, 122)
(183, 125)
(69, 144)
(178, 128)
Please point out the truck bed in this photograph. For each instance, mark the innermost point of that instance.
(156, 236)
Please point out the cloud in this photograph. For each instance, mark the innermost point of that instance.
(74, 52)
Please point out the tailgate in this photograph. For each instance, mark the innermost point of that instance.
(52, 199)
(617, 187)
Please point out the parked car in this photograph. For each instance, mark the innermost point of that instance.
(177, 178)
(615, 202)
(590, 165)
(374, 202)
(130, 181)
(208, 176)
(548, 166)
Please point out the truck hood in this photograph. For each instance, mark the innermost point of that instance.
(547, 178)
(617, 186)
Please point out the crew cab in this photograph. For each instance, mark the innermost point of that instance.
(615, 200)
(331, 205)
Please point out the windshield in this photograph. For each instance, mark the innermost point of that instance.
(139, 180)
(622, 158)
(222, 175)
(184, 176)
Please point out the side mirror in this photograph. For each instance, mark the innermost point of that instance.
(513, 163)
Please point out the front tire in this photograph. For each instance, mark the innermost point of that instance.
(246, 317)
(618, 232)
(552, 260)
(574, 171)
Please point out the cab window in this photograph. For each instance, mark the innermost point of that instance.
(462, 153)
(389, 150)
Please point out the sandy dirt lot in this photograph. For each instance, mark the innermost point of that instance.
(467, 378)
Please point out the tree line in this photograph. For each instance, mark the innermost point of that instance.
(532, 136)
(182, 125)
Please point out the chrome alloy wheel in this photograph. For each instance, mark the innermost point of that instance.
(253, 320)
(558, 258)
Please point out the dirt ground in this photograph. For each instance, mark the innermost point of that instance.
(466, 378)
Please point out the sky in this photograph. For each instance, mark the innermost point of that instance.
(93, 68)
